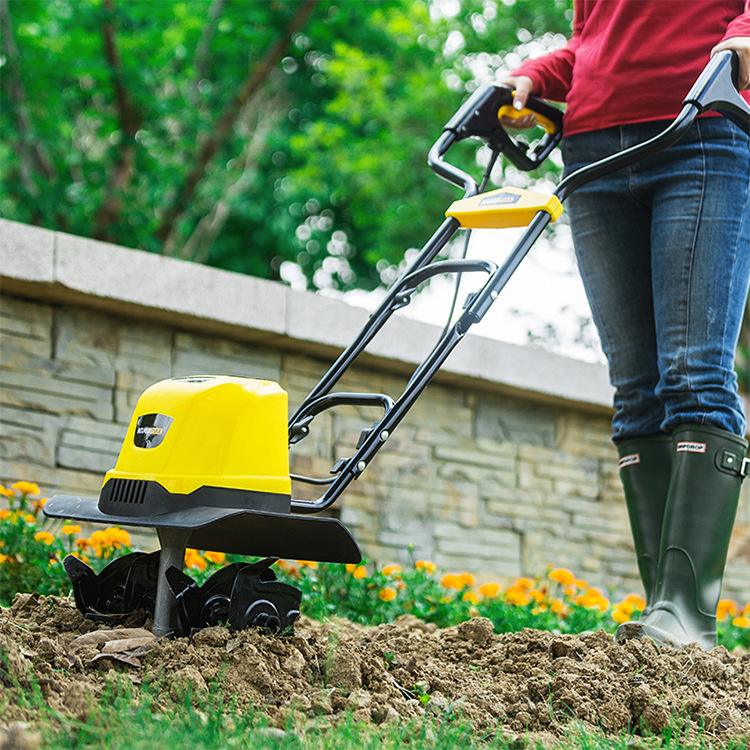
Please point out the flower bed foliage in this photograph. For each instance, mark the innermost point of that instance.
(33, 547)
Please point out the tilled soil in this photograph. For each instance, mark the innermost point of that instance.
(532, 683)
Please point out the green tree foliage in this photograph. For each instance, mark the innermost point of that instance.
(245, 133)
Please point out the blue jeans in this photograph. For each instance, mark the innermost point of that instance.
(663, 248)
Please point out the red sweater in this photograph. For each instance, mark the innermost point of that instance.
(633, 60)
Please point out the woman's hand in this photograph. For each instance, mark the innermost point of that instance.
(523, 86)
(741, 45)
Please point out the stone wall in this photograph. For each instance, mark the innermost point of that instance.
(502, 467)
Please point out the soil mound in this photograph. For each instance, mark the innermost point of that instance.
(531, 681)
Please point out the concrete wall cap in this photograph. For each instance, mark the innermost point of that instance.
(61, 267)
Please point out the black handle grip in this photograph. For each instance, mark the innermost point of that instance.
(716, 88)
(480, 115)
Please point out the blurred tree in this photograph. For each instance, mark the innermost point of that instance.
(246, 134)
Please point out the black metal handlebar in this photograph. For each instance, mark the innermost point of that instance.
(715, 89)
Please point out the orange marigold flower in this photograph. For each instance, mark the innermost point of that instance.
(44, 536)
(489, 590)
(466, 578)
(82, 543)
(400, 585)
(71, 528)
(524, 583)
(360, 572)
(5, 492)
(593, 599)
(4, 559)
(451, 581)
(637, 601)
(4, 514)
(562, 576)
(726, 608)
(217, 558)
(193, 559)
(580, 583)
(558, 608)
(118, 537)
(387, 594)
(517, 595)
(26, 488)
(391, 570)
(350, 567)
(428, 566)
(307, 564)
(620, 616)
(537, 596)
(470, 596)
(741, 622)
(626, 607)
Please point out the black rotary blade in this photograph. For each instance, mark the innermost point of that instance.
(240, 595)
(124, 586)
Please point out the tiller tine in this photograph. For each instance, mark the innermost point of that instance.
(241, 595)
(126, 585)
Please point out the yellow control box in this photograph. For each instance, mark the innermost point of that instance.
(503, 208)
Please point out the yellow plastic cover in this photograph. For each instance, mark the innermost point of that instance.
(503, 208)
(214, 431)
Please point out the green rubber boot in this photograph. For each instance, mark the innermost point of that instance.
(645, 466)
(698, 520)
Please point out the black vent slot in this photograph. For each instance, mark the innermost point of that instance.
(128, 491)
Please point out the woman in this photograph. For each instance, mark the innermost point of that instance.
(664, 252)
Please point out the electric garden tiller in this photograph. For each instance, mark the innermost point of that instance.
(205, 460)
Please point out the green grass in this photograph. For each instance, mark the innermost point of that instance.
(129, 718)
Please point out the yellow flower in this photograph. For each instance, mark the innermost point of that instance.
(44, 536)
(470, 596)
(307, 564)
(387, 595)
(593, 599)
(5, 492)
(4, 514)
(194, 559)
(562, 576)
(625, 607)
(4, 558)
(537, 596)
(451, 581)
(517, 595)
(360, 572)
(637, 601)
(726, 608)
(427, 565)
(217, 558)
(489, 590)
(620, 616)
(29, 518)
(26, 488)
(580, 583)
(741, 622)
(524, 583)
(558, 608)
(391, 570)
(466, 578)
(350, 567)
(71, 528)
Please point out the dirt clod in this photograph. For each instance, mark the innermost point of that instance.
(528, 684)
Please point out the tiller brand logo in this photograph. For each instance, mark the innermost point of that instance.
(151, 429)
